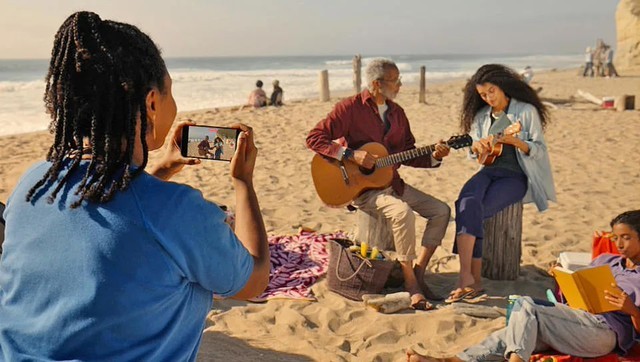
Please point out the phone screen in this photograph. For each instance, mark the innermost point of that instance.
(209, 143)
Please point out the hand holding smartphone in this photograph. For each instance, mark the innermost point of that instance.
(209, 142)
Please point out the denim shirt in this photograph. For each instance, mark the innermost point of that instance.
(536, 164)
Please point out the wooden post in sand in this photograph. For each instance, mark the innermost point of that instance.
(502, 244)
(324, 85)
(1, 226)
(423, 85)
(625, 102)
(357, 79)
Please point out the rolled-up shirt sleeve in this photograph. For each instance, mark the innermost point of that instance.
(476, 135)
(532, 133)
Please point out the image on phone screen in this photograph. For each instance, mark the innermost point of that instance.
(209, 143)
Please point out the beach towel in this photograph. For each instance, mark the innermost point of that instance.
(566, 358)
(611, 357)
(297, 262)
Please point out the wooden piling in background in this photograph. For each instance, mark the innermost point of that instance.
(357, 68)
(423, 85)
(324, 85)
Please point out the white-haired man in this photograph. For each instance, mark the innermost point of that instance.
(373, 116)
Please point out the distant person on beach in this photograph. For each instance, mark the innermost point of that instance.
(104, 259)
(373, 116)
(610, 69)
(218, 146)
(204, 147)
(257, 97)
(277, 94)
(588, 62)
(527, 74)
(496, 98)
(536, 326)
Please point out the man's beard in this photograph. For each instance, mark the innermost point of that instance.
(388, 94)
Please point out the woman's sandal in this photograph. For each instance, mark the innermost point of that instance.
(463, 293)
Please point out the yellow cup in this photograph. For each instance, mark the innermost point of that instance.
(374, 253)
(364, 247)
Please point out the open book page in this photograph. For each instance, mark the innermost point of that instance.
(594, 282)
(584, 289)
(569, 288)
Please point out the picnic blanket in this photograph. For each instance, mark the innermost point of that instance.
(297, 262)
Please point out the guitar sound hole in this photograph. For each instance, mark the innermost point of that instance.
(367, 171)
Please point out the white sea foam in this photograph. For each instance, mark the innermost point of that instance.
(217, 82)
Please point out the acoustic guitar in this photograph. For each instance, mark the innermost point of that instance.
(488, 157)
(339, 182)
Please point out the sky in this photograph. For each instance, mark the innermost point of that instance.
(194, 28)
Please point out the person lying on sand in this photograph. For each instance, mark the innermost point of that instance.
(535, 326)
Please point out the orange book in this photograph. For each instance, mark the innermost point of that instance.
(584, 288)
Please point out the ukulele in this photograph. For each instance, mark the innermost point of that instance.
(339, 182)
(488, 157)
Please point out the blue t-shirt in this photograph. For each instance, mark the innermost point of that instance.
(129, 280)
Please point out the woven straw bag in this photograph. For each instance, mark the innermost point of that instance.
(351, 275)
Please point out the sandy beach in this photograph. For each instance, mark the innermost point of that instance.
(596, 170)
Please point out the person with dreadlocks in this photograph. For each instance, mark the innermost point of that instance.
(103, 258)
(495, 98)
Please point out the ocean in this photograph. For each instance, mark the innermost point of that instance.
(210, 82)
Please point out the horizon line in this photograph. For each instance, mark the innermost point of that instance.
(329, 55)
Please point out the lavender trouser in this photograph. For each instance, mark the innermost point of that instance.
(484, 195)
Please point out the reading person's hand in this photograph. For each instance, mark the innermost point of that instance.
(552, 267)
(621, 300)
(244, 160)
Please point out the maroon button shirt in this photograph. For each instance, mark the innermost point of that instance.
(355, 121)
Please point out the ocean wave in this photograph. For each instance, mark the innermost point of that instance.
(11, 87)
(403, 66)
(265, 74)
(22, 108)
(339, 62)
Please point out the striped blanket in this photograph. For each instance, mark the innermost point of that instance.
(297, 261)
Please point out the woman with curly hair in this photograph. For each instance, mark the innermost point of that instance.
(496, 99)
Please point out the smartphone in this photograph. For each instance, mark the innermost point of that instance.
(209, 143)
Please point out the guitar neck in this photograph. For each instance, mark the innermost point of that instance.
(404, 156)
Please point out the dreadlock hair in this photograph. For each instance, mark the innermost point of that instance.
(99, 76)
(506, 79)
(631, 218)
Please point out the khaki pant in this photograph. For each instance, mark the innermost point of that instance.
(399, 211)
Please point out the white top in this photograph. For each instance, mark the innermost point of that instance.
(588, 57)
(381, 109)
